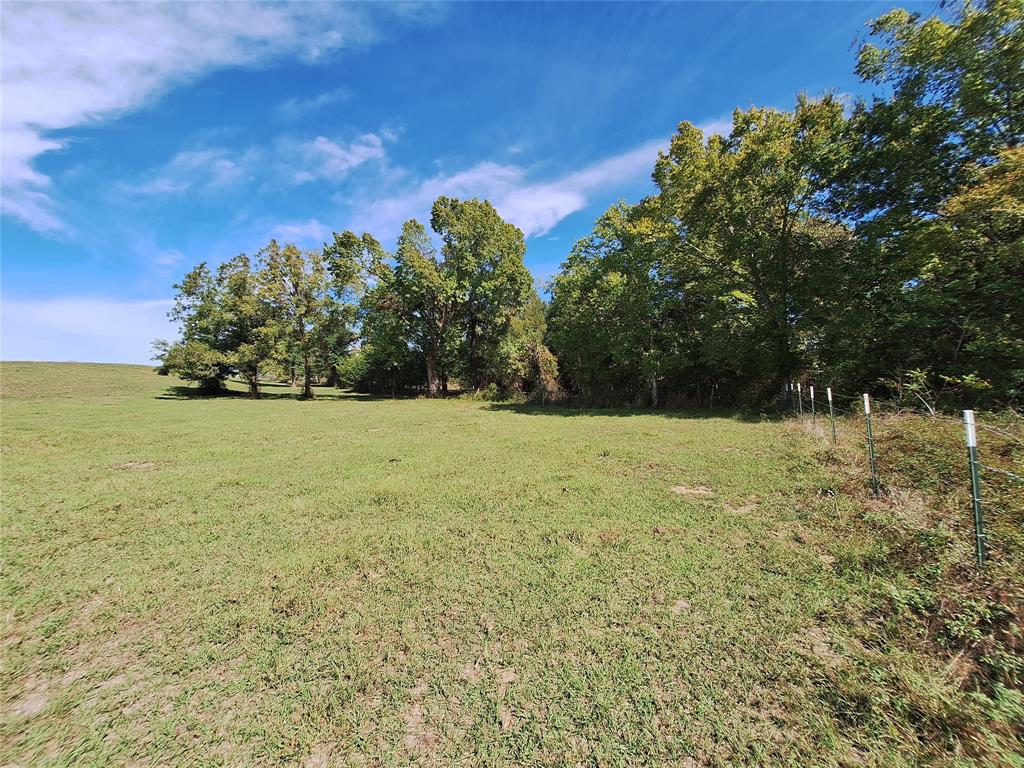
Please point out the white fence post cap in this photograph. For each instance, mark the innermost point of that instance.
(972, 435)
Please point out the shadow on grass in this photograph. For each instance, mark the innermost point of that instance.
(268, 391)
(280, 391)
(528, 409)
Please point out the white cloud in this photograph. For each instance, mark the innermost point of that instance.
(70, 64)
(191, 169)
(722, 126)
(285, 161)
(326, 159)
(534, 207)
(297, 108)
(101, 330)
(303, 233)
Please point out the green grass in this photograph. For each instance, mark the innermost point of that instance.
(354, 581)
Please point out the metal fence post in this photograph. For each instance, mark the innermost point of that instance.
(871, 445)
(814, 411)
(972, 460)
(831, 414)
(800, 397)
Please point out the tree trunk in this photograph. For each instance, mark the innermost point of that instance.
(654, 390)
(307, 378)
(471, 367)
(254, 382)
(432, 378)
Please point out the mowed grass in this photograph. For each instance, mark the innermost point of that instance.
(352, 581)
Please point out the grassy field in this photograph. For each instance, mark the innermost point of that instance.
(352, 581)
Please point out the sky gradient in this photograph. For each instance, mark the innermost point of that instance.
(139, 140)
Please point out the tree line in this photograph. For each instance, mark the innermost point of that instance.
(353, 314)
(874, 245)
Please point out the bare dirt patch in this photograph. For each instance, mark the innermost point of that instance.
(138, 466)
(504, 677)
(743, 509)
(33, 700)
(419, 737)
(506, 719)
(695, 490)
(816, 640)
(471, 673)
(318, 756)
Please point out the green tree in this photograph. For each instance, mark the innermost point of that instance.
(612, 309)
(347, 259)
(970, 66)
(483, 254)
(198, 355)
(297, 285)
(952, 112)
(226, 327)
(422, 291)
(751, 240)
(249, 337)
(527, 365)
(387, 361)
(968, 296)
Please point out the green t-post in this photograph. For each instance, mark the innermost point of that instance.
(972, 461)
(872, 460)
(831, 414)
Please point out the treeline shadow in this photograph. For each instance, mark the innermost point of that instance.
(268, 391)
(736, 414)
(279, 391)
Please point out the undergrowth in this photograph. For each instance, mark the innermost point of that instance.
(937, 641)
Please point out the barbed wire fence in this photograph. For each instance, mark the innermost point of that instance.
(803, 400)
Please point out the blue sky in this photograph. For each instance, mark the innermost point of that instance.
(139, 140)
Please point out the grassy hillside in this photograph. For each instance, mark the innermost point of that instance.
(353, 581)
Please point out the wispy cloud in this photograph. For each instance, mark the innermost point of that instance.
(285, 161)
(533, 206)
(296, 108)
(101, 330)
(326, 159)
(303, 233)
(722, 126)
(69, 64)
(192, 169)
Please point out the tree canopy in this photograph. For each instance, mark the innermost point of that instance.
(354, 314)
(861, 244)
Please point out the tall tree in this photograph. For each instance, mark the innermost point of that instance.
(952, 112)
(484, 255)
(249, 335)
(197, 356)
(527, 365)
(612, 308)
(297, 284)
(423, 292)
(347, 259)
(226, 327)
(746, 214)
